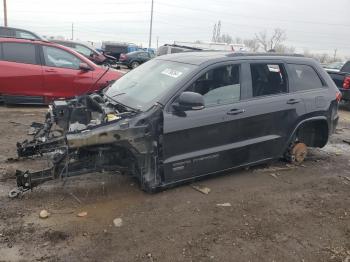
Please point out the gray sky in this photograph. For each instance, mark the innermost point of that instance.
(315, 25)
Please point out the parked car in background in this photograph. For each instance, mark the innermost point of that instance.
(336, 66)
(184, 116)
(115, 49)
(37, 72)
(90, 53)
(341, 78)
(18, 33)
(134, 59)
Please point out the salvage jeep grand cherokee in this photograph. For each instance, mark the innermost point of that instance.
(184, 116)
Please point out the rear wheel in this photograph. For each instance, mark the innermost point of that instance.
(134, 64)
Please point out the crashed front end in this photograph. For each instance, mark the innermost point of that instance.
(92, 134)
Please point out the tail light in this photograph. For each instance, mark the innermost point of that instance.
(346, 84)
(338, 96)
(123, 57)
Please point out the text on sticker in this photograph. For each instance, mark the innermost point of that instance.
(171, 72)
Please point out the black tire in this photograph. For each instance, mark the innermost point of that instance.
(134, 64)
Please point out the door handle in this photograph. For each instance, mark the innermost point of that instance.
(293, 101)
(235, 112)
(50, 70)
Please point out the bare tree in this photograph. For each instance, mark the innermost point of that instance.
(283, 49)
(270, 43)
(216, 32)
(251, 44)
(225, 38)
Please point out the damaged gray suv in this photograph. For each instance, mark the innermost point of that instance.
(184, 116)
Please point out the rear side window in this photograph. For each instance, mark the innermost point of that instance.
(83, 50)
(305, 77)
(24, 34)
(20, 53)
(219, 86)
(6, 32)
(143, 55)
(268, 79)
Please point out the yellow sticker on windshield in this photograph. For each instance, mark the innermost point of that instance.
(172, 73)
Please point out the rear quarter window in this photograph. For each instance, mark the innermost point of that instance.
(18, 52)
(305, 77)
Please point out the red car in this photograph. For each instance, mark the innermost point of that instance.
(37, 72)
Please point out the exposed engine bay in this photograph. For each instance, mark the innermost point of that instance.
(88, 134)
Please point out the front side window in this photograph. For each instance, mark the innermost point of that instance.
(83, 50)
(268, 79)
(305, 77)
(56, 57)
(20, 53)
(219, 86)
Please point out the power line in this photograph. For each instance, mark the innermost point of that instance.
(250, 17)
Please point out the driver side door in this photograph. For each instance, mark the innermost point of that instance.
(199, 142)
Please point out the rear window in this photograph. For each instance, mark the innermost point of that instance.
(305, 77)
(18, 52)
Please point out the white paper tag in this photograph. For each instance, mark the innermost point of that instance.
(171, 72)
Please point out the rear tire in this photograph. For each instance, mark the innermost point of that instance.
(134, 64)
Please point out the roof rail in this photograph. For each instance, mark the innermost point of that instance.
(185, 47)
(262, 54)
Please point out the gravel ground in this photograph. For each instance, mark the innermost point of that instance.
(276, 212)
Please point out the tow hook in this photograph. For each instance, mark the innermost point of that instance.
(16, 192)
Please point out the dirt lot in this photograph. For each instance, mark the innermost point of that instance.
(276, 212)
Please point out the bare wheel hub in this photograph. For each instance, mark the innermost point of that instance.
(299, 152)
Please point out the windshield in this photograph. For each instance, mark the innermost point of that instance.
(144, 86)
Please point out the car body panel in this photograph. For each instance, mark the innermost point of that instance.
(165, 144)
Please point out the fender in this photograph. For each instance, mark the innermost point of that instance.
(311, 119)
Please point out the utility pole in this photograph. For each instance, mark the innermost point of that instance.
(157, 41)
(150, 27)
(72, 31)
(335, 54)
(5, 13)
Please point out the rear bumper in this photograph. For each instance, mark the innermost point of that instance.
(345, 94)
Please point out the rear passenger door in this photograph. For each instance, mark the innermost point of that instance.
(20, 71)
(309, 85)
(272, 111)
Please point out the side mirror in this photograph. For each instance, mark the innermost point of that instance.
(189, 101)
(84, 67)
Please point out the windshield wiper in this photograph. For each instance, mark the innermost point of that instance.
(119, 94)
(135, 110)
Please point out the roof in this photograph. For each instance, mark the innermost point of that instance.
(197, 58)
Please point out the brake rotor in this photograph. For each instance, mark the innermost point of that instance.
(299, 152)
